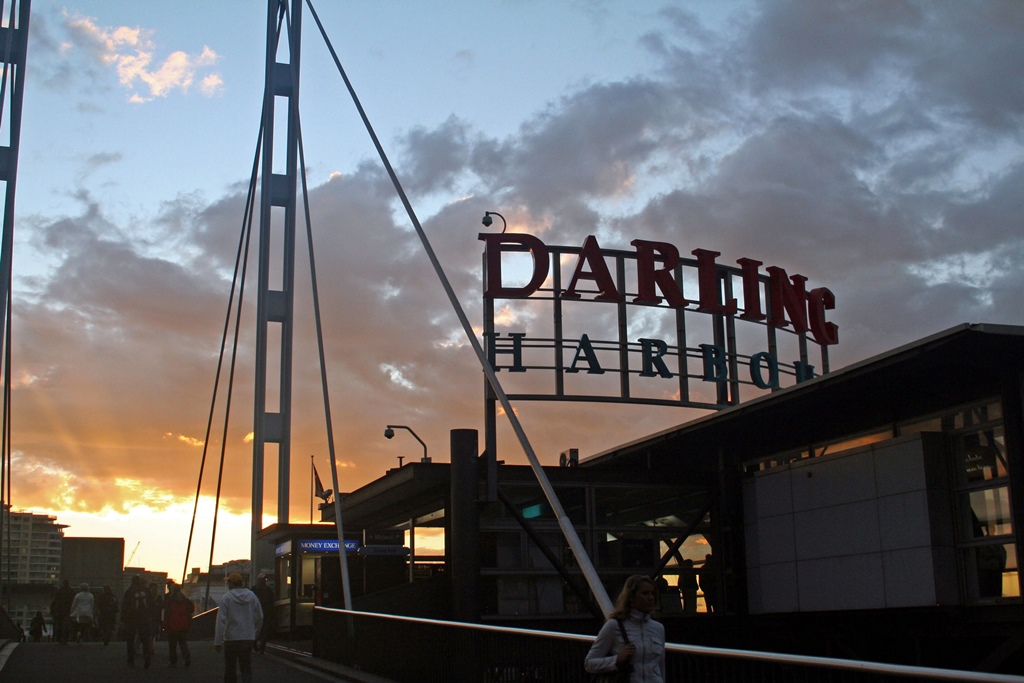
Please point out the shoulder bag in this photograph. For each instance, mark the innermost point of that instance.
(622, 674)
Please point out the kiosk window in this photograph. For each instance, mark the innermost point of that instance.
(990, 512)
(986, 539)
(991, 571)
(981, 456)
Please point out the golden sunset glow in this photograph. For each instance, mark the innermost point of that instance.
(705, 127)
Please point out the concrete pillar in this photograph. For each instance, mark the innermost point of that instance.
(464, 555)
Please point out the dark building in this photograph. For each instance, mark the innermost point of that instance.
(871, 512)
(96, 561)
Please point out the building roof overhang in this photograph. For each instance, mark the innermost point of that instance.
(962, 364)
(966, 363)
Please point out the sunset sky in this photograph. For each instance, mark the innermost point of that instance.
(874, 147)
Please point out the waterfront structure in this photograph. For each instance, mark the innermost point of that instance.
(874, 510)
(197, 582)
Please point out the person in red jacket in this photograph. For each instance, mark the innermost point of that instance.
(177, 620)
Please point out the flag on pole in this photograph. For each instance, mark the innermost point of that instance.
(319, 487)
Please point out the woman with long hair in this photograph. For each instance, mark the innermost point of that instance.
(631, 641)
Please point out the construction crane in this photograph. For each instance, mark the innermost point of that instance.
(134, 550)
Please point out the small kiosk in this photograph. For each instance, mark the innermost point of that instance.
(307, 570)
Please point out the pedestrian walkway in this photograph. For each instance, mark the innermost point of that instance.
(94, 662)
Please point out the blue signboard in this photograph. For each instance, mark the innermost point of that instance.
(327, 546)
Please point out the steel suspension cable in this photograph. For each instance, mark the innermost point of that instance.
(227, 416)
(246, 227)
(564, 523)
(342, 557)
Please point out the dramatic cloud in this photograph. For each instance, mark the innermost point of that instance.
(873, 147)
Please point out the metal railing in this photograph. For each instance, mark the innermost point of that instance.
(428, 650)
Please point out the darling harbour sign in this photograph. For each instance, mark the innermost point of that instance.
(674, 331)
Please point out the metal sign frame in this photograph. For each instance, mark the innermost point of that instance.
(713, 356)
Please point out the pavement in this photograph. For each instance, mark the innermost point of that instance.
(94, 662)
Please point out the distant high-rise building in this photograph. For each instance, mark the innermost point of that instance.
(30, 548)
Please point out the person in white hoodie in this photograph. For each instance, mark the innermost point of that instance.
(239, 618)
(82, 612)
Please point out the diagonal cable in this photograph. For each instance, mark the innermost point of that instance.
(564, 523)
(242, 239)
(346, 590)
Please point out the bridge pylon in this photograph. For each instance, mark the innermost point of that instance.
(275, 298)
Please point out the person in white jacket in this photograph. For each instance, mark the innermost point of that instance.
(239, 618)
(630, 641)
(82, 612)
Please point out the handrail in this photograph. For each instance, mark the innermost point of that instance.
(800, 660)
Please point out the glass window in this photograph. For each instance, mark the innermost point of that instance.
(990, 571)
(980, 455)
(777, 460)
(535, 557)
(629, 506)
(1011, 575)
(307, 576)
(930, 425)
(851, 443)
(988, 565)
(978, 415)
(632, 552)
(989, 512)
(530, 502)
(513, 595)
(508, 550)
(962, 418)
(284, 577)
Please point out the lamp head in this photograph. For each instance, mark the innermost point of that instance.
(389, 433)
(487, 220)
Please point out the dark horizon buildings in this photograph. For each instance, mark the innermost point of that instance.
(871, 513)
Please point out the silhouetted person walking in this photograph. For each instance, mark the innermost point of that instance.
(177, 620)
(688, 587)
(60, 610)
(239, 619)
(265, 594)
(711, 584)
(135, 617)
(106, 611)
(156, 605)
(37, 627)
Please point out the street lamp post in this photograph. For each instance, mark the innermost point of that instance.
(389, 433)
